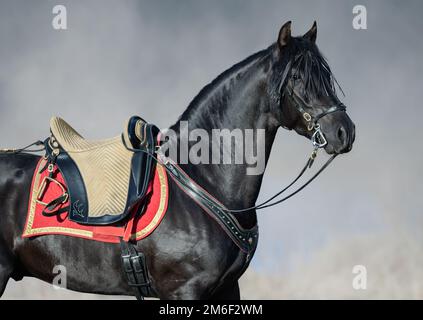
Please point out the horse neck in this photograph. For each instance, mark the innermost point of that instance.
(237, 99)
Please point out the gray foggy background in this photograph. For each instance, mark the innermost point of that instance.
(151, 58)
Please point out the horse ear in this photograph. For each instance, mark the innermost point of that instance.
(312, 33)
(284, 35)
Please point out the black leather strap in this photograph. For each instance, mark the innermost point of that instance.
(246, 240)
(50, 208)
(135, 268)
(78, 210)
(334, 108)
(301, 106)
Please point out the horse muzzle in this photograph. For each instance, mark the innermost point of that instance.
(340, 139)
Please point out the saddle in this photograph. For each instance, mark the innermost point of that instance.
(105, 179)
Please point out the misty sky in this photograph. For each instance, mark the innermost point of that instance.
(152, 57)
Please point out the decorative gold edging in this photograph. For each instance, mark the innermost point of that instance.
(60, 230)
(161, 210)
(32, 203)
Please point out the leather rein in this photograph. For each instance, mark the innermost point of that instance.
(318, 141)
(247, 240)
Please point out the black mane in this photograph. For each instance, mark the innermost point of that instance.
(301, 55)
(312, 67)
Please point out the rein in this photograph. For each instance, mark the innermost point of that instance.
(307, 166)
(318, 140)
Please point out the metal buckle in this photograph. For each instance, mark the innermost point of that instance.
(54, 145)
(318, 138)
(307, 116)
(42, 189)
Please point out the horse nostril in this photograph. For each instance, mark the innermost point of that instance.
(341, 134)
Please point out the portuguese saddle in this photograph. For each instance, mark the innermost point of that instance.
(105, 179)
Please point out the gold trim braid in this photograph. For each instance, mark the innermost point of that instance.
(161, 210)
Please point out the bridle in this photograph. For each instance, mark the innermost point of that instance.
(246, 240)
(318, 141)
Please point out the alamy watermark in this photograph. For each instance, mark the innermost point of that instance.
(60, 18)
(359, 21)
(216, 146)
(359, 281)
(60, 278)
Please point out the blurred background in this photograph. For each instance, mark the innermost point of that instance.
(150, 58)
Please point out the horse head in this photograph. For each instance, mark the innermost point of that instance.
(307, 94)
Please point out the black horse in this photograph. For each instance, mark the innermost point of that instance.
(189, 256)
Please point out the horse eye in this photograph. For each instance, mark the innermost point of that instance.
(295, 77)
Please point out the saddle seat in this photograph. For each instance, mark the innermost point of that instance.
(71, 141)
(107, 178)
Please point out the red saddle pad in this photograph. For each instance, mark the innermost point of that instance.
(136, 228)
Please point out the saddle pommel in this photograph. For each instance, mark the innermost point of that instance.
(139, 133)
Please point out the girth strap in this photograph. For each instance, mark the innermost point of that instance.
(135, 268)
